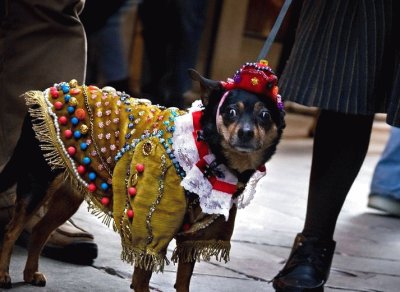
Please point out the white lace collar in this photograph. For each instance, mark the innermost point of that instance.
(215, 191)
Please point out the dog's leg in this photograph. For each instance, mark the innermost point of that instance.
(141, 280)
(63, 204)
(28, 202)
(12, 232)
(183, 275)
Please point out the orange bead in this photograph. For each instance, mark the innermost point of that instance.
(80, 114)
(275, 90)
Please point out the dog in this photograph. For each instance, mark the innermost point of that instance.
(156, 173)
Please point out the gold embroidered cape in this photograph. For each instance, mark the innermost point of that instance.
(118, 151)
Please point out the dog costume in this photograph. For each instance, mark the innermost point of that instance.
(143, 166)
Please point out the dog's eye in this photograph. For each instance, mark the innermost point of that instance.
(265, 115)
(232, 113)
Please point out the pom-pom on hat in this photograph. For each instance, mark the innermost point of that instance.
(257, 78)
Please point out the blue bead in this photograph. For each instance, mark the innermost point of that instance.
(84, 146)
(74, 121)
(71, 109)
(65, 89)
(86, 160)
(104, 186)
(67, 97)
(77, 134)
(92, 175)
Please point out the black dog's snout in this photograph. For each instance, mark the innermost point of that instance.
(245, 133)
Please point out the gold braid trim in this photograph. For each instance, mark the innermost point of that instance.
(190, 251)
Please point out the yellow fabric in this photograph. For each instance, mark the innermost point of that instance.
(159, 205)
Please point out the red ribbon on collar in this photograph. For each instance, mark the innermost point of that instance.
(202, 149)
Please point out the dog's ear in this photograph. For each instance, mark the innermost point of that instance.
(206, 85)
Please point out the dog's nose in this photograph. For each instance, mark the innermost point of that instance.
(245, 133)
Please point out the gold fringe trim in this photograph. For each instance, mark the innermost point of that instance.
(190, 251)
(146, 260)
(44, 129)
(45, 132)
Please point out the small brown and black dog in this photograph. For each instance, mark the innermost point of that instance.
(181, 178)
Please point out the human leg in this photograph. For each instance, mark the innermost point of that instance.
(385, 185)
(340, 145)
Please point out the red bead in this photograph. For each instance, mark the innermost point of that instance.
(80, 114)
(54, 92)
(92, 187)
(62, 120)
(81, 169)
(71, 150)
(105, 201)
(58, 105)
(130, 213)
(132, 191)
(139, 167)
(68, 134)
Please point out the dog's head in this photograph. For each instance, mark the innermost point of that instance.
(243, 117)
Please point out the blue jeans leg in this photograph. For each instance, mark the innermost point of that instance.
(386, 178)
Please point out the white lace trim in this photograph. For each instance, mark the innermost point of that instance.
(244, 199)
(216, 202)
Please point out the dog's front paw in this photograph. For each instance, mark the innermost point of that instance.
(5, 280)
(36, 279)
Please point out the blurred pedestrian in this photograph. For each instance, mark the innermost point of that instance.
(172, 31)
(345, 61)
(42, 42)
(109, 27)
(385, 185)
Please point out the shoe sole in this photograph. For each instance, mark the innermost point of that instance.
(79, 253)
(295, 289)
(388, 205)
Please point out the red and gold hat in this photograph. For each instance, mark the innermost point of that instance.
(257, 78)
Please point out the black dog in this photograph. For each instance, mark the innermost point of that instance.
(173, 173)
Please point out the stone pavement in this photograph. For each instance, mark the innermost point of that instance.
(367, 256)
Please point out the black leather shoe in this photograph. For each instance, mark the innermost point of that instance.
(308, 266)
